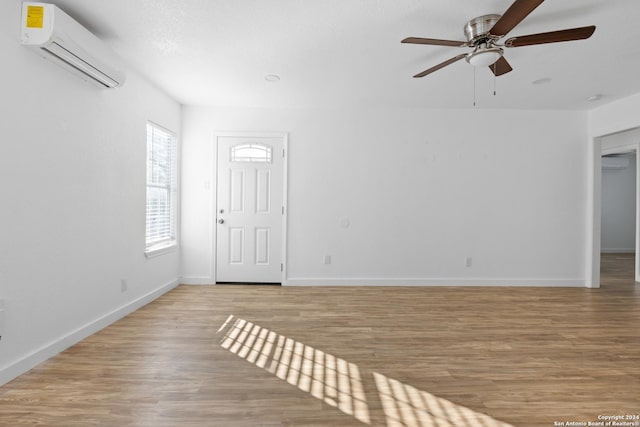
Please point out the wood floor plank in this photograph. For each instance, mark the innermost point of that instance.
(350, 356)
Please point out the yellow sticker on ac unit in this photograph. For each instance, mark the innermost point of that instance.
(35, 16)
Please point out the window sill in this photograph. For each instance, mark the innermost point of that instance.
(160, 249)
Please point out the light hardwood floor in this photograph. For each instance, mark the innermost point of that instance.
(352, 356)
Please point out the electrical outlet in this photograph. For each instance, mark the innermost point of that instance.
(468, 262)
(123, 285)
(327, 259)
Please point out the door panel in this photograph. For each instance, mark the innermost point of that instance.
(263, 187)
(236, 245)
(262, 245)
(249, 215)
(236, 192)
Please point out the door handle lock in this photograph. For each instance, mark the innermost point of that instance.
(221, 221)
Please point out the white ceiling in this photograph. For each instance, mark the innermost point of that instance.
(348, 52)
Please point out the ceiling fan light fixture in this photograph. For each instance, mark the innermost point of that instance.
(484, 57)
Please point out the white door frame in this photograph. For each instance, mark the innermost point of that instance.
(595, 205)
(214, 194)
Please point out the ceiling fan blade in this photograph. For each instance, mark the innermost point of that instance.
(441, 65)
(436, 42)
(551, 37)
(500, 67)
(513, 16)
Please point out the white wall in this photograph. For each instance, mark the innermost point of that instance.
(619, 207)
(422, 189)
(614, 117)
(72, 168)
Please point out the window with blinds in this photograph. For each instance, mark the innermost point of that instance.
(161, 188)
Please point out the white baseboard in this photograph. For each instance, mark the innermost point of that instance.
(197, 280)
(437, 282)
(617, 251)
(32, 360)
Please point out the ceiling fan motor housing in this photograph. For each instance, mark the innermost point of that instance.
(477, 33)
(477, 30)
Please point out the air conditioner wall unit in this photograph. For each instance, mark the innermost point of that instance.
(59, 38)
(615, 163)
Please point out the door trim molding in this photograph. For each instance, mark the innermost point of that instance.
(214, 195)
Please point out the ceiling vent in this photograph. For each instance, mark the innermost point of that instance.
(59, 38)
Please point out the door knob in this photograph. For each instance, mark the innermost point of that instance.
(221, 221)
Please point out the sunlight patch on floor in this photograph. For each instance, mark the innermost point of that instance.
(404, 405)
(326, 377)
(338, 383)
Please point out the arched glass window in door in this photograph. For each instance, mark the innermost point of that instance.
(255, 153)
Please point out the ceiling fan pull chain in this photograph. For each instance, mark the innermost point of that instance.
(494, 78)
(474, 86)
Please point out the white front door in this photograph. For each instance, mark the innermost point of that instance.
(249, 212)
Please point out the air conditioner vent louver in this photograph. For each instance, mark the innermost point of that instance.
(613, 163)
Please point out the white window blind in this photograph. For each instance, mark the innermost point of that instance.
(161, 187)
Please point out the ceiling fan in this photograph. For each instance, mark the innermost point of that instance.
(484, 32)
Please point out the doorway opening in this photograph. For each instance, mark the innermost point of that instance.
(616, 201)
(618, 216)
